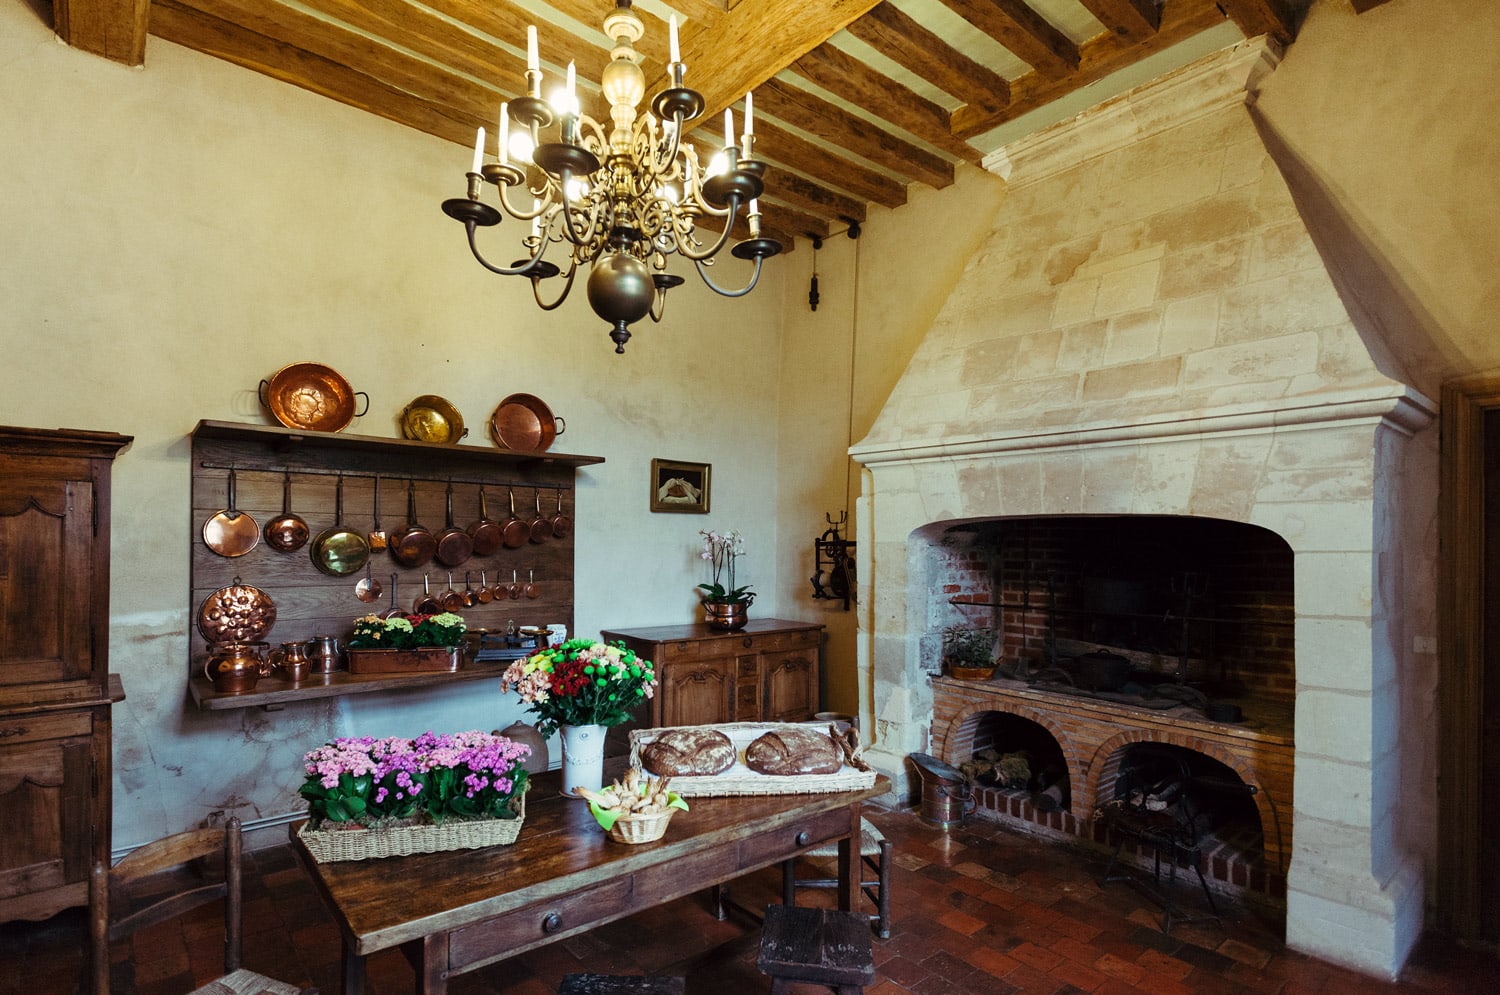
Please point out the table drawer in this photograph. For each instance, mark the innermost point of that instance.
(527, 926)
(33, 728)
(777, 845)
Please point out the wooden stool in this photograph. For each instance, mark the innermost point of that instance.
(617, 984)
(816, 946)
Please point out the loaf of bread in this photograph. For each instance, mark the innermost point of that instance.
(688, 753)
(793, 751)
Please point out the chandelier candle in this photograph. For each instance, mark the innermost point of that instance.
(619, 198)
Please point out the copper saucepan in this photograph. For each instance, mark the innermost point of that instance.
(540, 529)
(451, 599)
(287, 532)
(484, 595)
(231, 532)
(339, 550)
(395, 608)
(514, 530)
(426, 603)
(562, 525)
(415, 546)
(486, 533)
(454, 545)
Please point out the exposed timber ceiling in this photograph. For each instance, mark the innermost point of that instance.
(854, 99)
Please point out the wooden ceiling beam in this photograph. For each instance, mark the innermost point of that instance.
(851, 80)
(367, 60)
(790, 188)
(114, 29)
(1136, 20)
(1181, 19)
(779, 146)
(905, 42)
(1360, 6)
(843, 130)
(770, 227)
(1262, 17)
(753, 42)
(556, 46)
(1023, 31)
(214, 36)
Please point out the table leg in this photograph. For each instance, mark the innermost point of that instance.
(849, 869)
(432, 966)
(354, 971)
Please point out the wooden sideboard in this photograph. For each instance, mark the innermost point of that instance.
(766, 672)
(55, 686)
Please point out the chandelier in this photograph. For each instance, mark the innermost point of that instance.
(621, 199)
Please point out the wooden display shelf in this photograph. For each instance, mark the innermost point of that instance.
(274, 693)
(279, 439)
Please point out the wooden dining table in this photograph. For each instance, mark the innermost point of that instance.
(459, 910)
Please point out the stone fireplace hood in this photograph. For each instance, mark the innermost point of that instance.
(1149, 329)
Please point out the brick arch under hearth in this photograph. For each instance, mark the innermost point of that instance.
(955, 743)
(1104, 765)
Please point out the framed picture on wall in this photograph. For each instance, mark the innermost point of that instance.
(677, 486)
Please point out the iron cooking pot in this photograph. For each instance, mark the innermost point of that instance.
(1101, 670)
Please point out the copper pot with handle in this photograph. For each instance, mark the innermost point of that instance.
(426, 603)
(514, 530)
(231, 532)
(486, 533)
(415, 546)
(562, 525)
(287, 532)
(540, 529)
(454, 545)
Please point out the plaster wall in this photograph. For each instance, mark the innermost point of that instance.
(177, 233)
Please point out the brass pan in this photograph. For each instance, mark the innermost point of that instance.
(312, 397)
(430, 418)
(339, 551)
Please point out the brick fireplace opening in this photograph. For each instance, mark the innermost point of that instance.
(1149, 337)
(1202, 610)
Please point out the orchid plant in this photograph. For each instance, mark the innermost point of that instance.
(364, 781)
(720, 549)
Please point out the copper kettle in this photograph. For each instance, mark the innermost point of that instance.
(235, 668)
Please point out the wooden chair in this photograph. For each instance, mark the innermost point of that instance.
(875, 857)
(160, 881)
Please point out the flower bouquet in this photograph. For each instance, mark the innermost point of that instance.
(405, 643)
(385, 797)
(581, 687)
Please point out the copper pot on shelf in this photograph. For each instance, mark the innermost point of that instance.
(235, 667)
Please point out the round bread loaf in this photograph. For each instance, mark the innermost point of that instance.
(688, 753)
(794, 751)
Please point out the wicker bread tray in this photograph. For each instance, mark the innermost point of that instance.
(740, 779)
(330, 845)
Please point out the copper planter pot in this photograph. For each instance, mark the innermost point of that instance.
(729, 617)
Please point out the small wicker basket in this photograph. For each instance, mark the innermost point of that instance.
(640, 828)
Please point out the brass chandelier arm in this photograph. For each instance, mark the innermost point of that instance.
(754, 277)
(536, 289)
(524, 268)
(729, 214)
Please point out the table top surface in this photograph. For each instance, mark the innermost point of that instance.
(560, 850)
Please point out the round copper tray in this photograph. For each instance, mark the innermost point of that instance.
(430, 418)
(236, 614)
(525, 424)
(311, 396)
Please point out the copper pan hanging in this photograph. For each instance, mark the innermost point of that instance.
(415, 546)
(287, 532)
(454, 545)
(514, 531)
(562, 525)
(231, 532)
(486, 533)
(540, 529)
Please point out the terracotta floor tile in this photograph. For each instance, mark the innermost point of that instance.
(978, 909)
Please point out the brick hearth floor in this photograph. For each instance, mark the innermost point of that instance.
(976, 909)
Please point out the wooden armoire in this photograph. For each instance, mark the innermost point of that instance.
(55, 686)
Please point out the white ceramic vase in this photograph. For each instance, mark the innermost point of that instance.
(583, 757)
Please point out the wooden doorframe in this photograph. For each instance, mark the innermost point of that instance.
(1461, 639)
